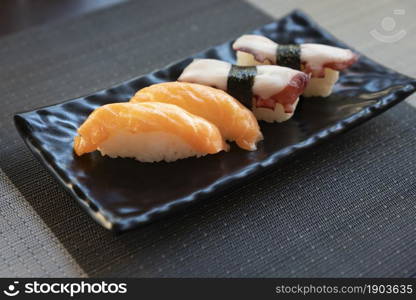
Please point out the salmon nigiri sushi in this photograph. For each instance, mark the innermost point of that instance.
(271, 91)
(148, 132)
(234, 120)
(322, 62)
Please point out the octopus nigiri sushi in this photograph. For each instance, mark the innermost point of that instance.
(271, 91)
(148, 132)
(322, 62)
(235, 122)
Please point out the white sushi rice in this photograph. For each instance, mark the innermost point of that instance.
(317, 87)
(322, 87)
(276, 115)
(246, 59)
(147, 147)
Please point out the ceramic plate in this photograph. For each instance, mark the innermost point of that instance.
(123, 193)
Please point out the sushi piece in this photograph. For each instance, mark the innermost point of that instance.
(235, 122)
(148, 132)
(322, 62)
(271, 91)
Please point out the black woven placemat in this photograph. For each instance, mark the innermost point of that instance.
(345, 208)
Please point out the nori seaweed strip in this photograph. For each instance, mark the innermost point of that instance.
(288, 56)
(240, 83)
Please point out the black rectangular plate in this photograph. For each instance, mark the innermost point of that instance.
(122, 193)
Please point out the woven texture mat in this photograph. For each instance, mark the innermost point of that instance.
(344, 208)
